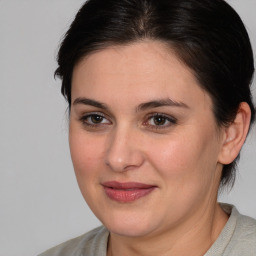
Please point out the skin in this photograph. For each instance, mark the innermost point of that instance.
(182, 156)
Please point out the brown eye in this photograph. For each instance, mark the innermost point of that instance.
(159, 120)
(96, 119)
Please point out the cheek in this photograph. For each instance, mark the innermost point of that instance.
(184, 159)
(173, 155)
(86, 154)
(187, 169)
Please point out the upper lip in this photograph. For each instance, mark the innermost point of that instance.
(126, 185)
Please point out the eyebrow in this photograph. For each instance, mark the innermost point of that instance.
(143, 106)
(90, 102)
(160, 103)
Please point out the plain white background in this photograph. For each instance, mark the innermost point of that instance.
(40, 203)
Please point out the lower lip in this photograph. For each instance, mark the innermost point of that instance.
(125, 196)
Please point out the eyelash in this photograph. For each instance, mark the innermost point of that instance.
(84, 119)
(171, 120)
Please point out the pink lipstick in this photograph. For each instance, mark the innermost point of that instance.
(126, 192)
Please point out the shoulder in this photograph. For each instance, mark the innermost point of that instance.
(244, 236)
(92, 243)
(246, 229)
(238, 237)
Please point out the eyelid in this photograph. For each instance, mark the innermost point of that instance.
(172, 120)
(154, 114)
(94, 113)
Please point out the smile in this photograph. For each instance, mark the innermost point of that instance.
(126, 192)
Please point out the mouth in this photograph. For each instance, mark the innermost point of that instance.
(126, 192)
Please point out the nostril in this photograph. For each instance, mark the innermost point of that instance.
(123, 154)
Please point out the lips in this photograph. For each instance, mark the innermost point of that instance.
(128, 191)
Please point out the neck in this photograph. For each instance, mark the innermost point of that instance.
(193, 237)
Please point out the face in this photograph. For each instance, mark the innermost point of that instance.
(143, 139)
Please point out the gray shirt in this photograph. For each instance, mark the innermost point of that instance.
(238, 238)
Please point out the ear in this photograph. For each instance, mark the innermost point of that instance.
(235, 134)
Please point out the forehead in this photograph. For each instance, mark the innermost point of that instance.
(143, 69)
(149, 56)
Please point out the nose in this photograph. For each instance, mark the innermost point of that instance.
(124, 152)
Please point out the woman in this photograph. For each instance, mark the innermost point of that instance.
(160, 106)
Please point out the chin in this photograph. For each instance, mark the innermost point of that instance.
(130, 231)
(130, 226)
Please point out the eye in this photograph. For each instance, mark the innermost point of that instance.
(94, 119)
(160, 121)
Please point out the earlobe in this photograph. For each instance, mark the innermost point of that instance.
(235, 134)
